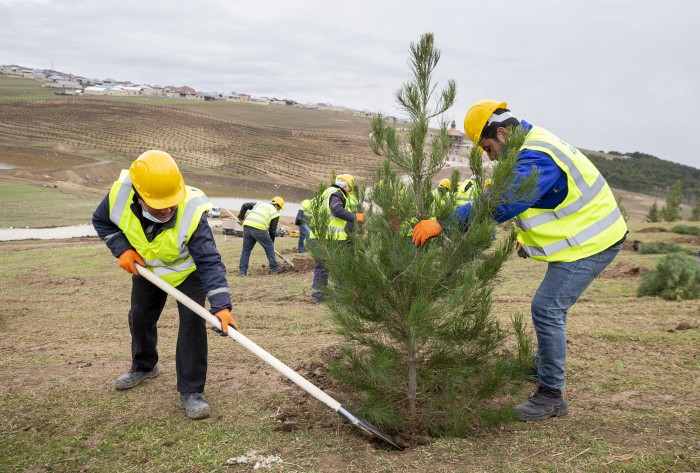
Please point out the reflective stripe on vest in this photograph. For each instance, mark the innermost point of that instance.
(260, 216)
(336, 226)
(586, 222)
(167, 254)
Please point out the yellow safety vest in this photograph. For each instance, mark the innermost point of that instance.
(260, 216)
(336, 226)
(351, 204)
(587, 222)
(167, 254)
(466, 192)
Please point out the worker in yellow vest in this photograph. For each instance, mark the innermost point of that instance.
(302, 220)
(573, 224)
(151, 218)
(333, 202)
(260, 221)
(440, 194)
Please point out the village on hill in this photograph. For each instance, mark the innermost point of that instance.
(68, 84)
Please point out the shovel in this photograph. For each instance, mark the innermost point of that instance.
(285, 259)
(285, 370)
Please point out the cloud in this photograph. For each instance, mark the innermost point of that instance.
(604, 75)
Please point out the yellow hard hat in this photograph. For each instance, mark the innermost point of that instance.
(488, 182)
(478, 115)
(157, 179)
(347, 178)
(279, 201)
(445, 183)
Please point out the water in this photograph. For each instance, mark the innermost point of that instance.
(55, 233)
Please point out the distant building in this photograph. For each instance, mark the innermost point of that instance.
(455, 136)
(95, 90)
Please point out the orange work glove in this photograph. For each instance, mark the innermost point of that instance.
(128, 260)
(360, 217)
(425, 229)
(224, 315)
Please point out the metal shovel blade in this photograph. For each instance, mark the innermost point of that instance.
(367, 427)
(261, 353)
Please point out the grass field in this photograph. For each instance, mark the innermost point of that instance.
(633, 377)
(37, 205)
(21, 88)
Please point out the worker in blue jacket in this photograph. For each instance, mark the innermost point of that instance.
(572, 223)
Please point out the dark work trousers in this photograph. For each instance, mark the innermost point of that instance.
(147, 302)
(320, 281)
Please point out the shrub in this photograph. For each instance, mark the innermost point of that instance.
(677, 277)
(686, 230)
(663, 247)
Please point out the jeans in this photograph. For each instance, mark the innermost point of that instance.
(147, 302)
(561, 287)
(304, 232)
(250, 237)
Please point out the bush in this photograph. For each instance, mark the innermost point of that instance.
(686, 230)
(663, 247)
(677, 277)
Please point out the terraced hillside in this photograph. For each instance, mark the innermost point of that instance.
(297, 158)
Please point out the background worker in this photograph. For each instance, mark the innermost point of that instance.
(149, 217)
(573, 224)
(440, 194)
(333, 203)
(465, 192)
(302, 221)
(260, 226)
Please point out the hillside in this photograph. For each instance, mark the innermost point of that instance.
(222, 154)
(235, 149)
(641, 172)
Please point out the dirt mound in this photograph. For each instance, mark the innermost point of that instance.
(623, 270)
(630, 245)
(652, 230)
(687, 239)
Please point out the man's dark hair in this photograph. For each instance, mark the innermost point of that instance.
(489, 131)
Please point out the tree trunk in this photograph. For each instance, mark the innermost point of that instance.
(412, 379)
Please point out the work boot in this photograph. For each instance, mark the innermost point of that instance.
(195, 406)
(242, 274)
(134, 378)
(278, 270)
(543, 404)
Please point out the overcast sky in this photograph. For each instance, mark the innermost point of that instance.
(619, 75)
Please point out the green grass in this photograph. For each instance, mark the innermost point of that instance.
(34, 205)
(21, 88)
(66, 337)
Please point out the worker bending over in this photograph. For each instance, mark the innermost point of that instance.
(260, 226)
(151, 218)
(573, 224)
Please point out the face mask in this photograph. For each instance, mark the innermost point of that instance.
(152, 218)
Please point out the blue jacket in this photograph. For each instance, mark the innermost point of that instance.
(551, 186)
(201, 246)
